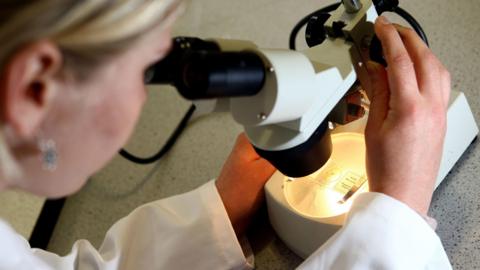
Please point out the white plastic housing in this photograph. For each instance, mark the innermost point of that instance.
(289, 91)
(298, 95)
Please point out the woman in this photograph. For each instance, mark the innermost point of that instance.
(65, 113)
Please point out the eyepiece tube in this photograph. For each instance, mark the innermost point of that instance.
(199, 70)
(166, 71)
(221, 74)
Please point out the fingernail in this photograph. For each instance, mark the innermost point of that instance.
(383, 20)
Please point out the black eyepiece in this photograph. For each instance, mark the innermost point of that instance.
(199, 70)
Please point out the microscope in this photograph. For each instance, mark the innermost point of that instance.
(293, 107)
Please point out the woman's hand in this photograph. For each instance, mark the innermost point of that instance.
(241, 183)
(407, 121)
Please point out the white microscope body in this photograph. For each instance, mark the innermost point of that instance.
(299, 92)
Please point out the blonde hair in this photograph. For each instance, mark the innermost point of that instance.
(88, 32)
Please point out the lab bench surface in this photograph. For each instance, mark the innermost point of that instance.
(453, 28)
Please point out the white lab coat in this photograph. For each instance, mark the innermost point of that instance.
(192, 231)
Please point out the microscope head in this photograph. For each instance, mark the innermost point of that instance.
(284, 99)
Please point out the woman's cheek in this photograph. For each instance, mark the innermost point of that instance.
(117, 115)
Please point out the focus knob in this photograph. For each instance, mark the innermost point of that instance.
(376, 51)
(315, 34)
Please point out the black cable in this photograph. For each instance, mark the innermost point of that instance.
(414, 23)
(45, 225)
(397, 10)
(304, 21)
(168, 145)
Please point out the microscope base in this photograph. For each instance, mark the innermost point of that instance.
(304, 233)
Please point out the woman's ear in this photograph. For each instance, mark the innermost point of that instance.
(28, 86)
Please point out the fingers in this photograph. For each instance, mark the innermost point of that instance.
(379, 95)
(447, 87)
(401, 71)
(428, 68)
(420, 55)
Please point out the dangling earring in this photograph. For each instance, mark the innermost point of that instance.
(49, 154)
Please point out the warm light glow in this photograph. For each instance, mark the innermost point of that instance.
(330, 191)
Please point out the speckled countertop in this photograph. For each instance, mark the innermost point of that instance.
(453, 28)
